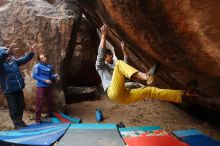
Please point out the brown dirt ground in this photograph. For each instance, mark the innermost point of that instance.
(146, 112)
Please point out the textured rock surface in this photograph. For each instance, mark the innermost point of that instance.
(183, 35)
(82, 65)
(52, 25)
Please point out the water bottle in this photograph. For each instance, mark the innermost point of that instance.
(99, 116)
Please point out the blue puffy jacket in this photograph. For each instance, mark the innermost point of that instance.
(10, 76)
(42, 72)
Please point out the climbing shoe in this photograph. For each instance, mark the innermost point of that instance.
(151, 73)
(191, 89)
(150, 80)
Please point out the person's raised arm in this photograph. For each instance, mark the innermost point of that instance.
(104, 30)
(124, 50)
(28, 56)
(102, 48)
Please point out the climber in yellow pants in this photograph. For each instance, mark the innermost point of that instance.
(113, 73)
(119, 93)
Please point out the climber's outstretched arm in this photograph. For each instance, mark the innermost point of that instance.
(124, 50)
(100, 61)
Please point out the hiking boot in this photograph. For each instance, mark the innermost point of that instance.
(45, 116)
(23, 124)
(38, 122)
(19, 125)
(49, 115)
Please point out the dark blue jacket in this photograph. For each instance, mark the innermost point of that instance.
(42, 72)
(10, 76)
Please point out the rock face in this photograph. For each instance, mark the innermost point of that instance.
(183, 35)
(82, 65)
(51, 25)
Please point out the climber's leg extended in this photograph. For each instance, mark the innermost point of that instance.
(155, 93)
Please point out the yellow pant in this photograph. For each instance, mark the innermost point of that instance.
(117, 91)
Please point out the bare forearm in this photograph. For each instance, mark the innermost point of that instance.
(104, 30)
(103, 42)
(125, 54)
(124, 50)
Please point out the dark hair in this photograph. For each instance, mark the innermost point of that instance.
(108, 52)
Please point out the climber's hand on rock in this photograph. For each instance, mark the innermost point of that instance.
(104, 29)
(123, 46)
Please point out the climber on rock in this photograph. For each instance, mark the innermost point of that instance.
(113, 74)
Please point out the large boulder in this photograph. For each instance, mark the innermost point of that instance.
(50, 24)
(183, 35)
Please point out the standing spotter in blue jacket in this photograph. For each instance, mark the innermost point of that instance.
(12, 82)
(43, 74)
